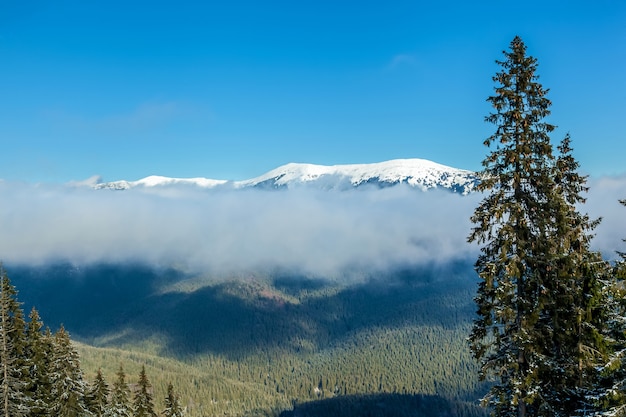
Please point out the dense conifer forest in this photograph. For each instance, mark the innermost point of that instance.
(42, 374)
(264, 344)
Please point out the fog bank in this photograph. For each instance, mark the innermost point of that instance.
(315, 232)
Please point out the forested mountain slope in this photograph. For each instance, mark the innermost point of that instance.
(269, 341)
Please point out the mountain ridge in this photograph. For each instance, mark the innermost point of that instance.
(416, 173)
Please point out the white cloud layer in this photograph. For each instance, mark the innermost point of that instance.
(314, 232)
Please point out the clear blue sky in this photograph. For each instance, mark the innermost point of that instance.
(232, 89)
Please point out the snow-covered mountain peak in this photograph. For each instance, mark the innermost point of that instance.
(160, 181)
(417, 173)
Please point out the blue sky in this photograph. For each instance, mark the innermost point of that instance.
(230, 90)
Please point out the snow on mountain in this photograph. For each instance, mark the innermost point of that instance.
(158, 181)
(417, 173)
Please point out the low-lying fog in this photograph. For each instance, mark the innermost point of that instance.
(315, 232)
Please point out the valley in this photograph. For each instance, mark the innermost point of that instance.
(264, 343)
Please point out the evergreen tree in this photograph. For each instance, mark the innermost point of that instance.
(39, 350)
(18, 336)
(142, 404)
(12, 373)
(172, 404)
(538, 282)
(67, 385)
(574, 312)
(119, 406)
(97, 396)
(609, 398)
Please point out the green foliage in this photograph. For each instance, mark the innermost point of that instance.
(511, 222)
(67, 385)
(286, 340)
(97, 398)
(142, 404)
(14, 401)
(39, 350)
(172, 403)
(609, 395)
(257, 345)
(119, 404)
(543, 325)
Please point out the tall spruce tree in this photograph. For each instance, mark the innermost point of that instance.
(142, 404)
(532, 333)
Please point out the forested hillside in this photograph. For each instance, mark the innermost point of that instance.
(264, 344)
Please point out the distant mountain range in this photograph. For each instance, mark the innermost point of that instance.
(418, 173)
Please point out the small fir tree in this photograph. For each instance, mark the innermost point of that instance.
(98, 395)
(67, 384)
(172, 404)
(142, 404)
(119, 406)
(13, 376)
(39, 348)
